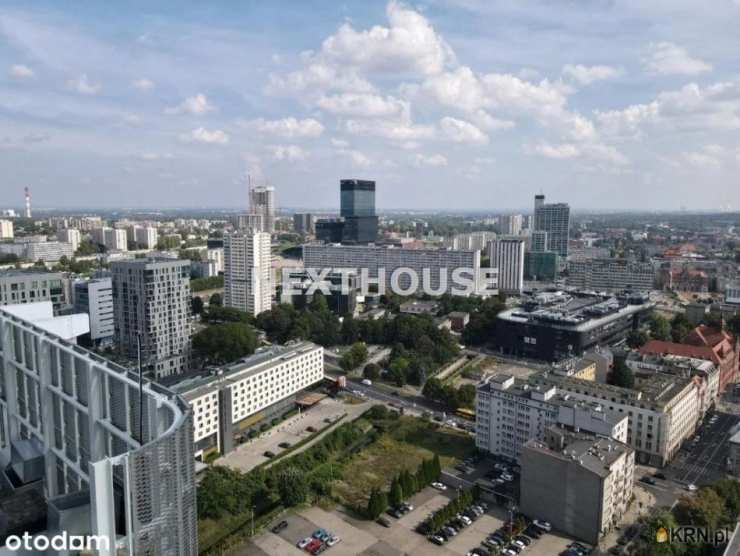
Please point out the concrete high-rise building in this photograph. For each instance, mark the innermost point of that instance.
(95, 298)
(216, 254)
(248, 277)
(83, 452)
(116, 240)
(262, 202)
(511, 224)
(507, 254)
(538, 242)
(22, 286)
(553, 218)
(357, 207)
(303, 223)
(473, 241)
(146, 238)
(6, 229)
(151, 297)
(611, 274)
(70, 235)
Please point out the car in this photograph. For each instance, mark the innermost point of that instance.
(280, 526)
(579, 547)
(526, 541)
(544, 525)
(660, 476)
(383, 521)
(367, 382)
(691, 487)
(509, 552)
(489, 544)
(436, 539)
(466, 520)
(519, 543)
(533, 532)
(319, 549)
(321, 534)
(303, 543)
(408, 506)
(439, 486)
(313, 545)
(269, 454)
(394, 512)
(507, 476)
(515, 548)
(451, 531)
(311, 429)
(284, 445)
(334, 540)
(479, 552)
(648, 480)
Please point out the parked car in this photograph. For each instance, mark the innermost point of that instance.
(313, 545)
(544, 525)
(367, 382)
(439, 486)
(284, 445)
(383, 521)
(648, 480)
(280, 526)
(303, 543)
(692, 487)
(334, 540)
(436, 539)
(524, 540)
(507, 476)
(407, 506)
(319, 549)
(660, 476)
(515, 548)
(321, 534)
(269, 454)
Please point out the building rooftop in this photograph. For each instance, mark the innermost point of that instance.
(193, 385)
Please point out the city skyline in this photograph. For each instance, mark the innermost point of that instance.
(164, 109)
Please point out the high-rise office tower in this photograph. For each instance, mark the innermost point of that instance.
(538, 241)
(248, 279)
(507, 254)
(553, 218)
(357, 207)
(262, 202)
(303, 223)
(151, 297)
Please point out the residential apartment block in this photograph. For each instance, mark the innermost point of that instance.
(23, 286)
(507, 255)
(248, 278)
(95, 298)
(610, 274)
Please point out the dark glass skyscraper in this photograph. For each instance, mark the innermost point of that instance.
(357, 207)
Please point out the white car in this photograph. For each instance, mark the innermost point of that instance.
(332, 541)
(507, 477)
(520, 544)
(544, 525)
(304, 542)
(692, 487)
(439, 486)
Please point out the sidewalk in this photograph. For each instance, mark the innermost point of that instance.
(635, 510)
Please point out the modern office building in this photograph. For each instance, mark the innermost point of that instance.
(231, 401)
(24, 286)
(73, 432)
(510, 412)
(511, 224)
(553, 218)
(262, 203)
(146, 237)
(303, 223)
(357, 208)
(580, 483)
(151, 299)
(663, 409)
(611, 274)
(248, 278)
(541, 265)
(556, 326)
(329, 230)
(6, 229)
(438, 268)
(71, 236)
(538, 242)
(95, 298)
(298, 288)
(507, 255)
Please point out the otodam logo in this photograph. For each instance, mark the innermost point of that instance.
(690, 534)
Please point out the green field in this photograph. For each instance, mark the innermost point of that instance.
(407, 442)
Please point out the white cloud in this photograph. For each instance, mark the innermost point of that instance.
(317, 77)
(83, 86)
(409, 44)
(667, 58)
(151, 156)
(589, 152)
(708, 157)
(201, 135)
(434, 160)
(357, 158)
(393, 130)
(197, 106)
(287, 152)
(287, 127)
(461, 131)
(559, 152)
(339, 143)
(585, 75)
(143, 84)
(21, 71)
(363, 105)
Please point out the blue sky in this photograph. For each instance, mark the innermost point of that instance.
(447, 103)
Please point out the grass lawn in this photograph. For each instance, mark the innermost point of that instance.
(407, 442)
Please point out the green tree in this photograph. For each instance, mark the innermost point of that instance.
(397, 370)
(705, 508)
(223, 343)
(395, 495)
(292, 487)
(637, 338)
(371, 371)
(660, 328)
(622, 375)
(377, 502)
(680, 327)
(209, 283)
(354, 356)
(196, 304)
(215, 299)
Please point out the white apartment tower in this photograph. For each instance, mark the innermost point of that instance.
(71, 236)
(511, 224)
(507, 254)
(248, 278)
(146, 238)
(151, 297)
(262, 202)
(553, 218)
(6, 229)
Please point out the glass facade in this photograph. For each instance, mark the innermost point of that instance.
(357, 198)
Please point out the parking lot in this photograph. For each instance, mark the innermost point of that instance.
(369, 538)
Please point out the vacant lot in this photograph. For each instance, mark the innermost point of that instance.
(404, 446)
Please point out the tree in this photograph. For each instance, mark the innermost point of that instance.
(395, 495)
(354, 356)
(733, 325)
(371, 371)
(466, 395)
(622, 375)
(660, 328)
(637, 338)
(292, 487)
(397, 370)
(377, 502)
(215, 299)
(196, 305)
(680, 327)
(218, 314)
(223, 343)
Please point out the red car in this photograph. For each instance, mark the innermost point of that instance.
(313, 545)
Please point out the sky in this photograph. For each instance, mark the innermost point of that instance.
(447, 104)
